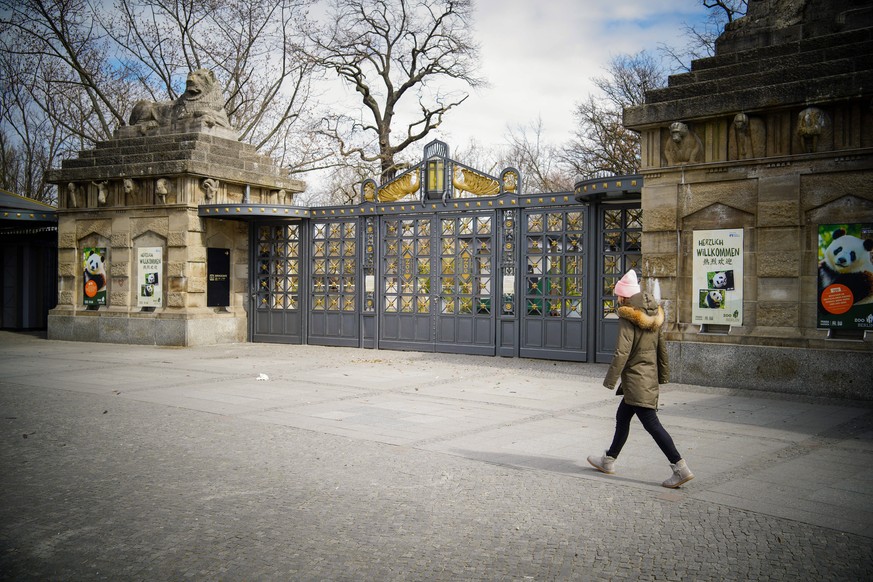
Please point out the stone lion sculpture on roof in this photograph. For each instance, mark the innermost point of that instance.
(202, 101)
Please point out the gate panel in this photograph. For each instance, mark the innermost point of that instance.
(553, 314)
(465, 321)
(334, 317)
(277, 282)
(407, 264)
(620, 233)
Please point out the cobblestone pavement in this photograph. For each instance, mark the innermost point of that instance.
(146, 463)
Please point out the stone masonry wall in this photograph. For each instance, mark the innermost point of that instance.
(774, 135)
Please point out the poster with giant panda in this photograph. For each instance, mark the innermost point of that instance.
(95, 267)
(717, 277)
(845, 276)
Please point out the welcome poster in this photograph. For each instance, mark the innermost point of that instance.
(717, 277)
(150, 276)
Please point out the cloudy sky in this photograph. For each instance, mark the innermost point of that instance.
(539, 57)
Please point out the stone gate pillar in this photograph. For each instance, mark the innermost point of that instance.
(772, 136)
(132, 251)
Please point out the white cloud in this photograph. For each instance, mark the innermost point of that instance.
(540, 56)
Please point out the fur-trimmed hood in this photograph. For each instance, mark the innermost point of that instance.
(643, 311)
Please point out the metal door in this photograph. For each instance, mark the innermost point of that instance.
(465, 321)
(620, 232)
(406, 320)
(335, 316)
(553, 318)
(437, 283)
(277, 283)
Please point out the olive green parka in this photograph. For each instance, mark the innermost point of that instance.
(640, 358)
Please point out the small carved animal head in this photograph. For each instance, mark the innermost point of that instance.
(741, 121)
(200, 83)
(678, 131)
(810, 121)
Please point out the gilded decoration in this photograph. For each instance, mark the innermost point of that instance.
(510, 181)
(441, 178)
(474, 183)
(369, 191)
(400, 188)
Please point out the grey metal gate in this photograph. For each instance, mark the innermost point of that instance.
(445, 258)
(620, 231)
(437, 289)
(334, 316)
(449, 282)
(278, 301)
(554, 315)
(405, 309)
(465, 320)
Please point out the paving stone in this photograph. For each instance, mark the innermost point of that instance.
(195, 470)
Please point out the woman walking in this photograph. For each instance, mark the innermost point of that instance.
(640, 361)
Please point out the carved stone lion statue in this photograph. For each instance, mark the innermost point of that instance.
(202, 100)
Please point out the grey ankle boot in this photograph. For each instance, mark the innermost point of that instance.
(681, 474)
(604, 464)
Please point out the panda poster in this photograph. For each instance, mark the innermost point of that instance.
(95, 267)
(717, 277)
(150, 276)
(845, 276)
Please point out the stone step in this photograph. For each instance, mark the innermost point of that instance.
(790, 70)
(825, 42)
(746, 98)
(776, 63)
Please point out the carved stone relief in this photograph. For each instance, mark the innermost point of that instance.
(201, 101)
(748, 138)
(101, 192)
(813, 125)
(683, 146)
(162, 188)
(210, 188)
(72, 195)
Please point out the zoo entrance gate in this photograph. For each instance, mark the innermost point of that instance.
(524, 276)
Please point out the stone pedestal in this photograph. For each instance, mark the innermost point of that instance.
(773, 135)
(141, 190)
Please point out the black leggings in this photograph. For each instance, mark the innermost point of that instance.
(649, 418)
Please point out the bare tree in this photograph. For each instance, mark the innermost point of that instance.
(393, 52)
(341, 185)
(57, 51)
(491, 159)
(84, 63)
(29, 140)
(700, 38)
(602, 145)
(250, 44)
(728, 9)
(540, 163)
